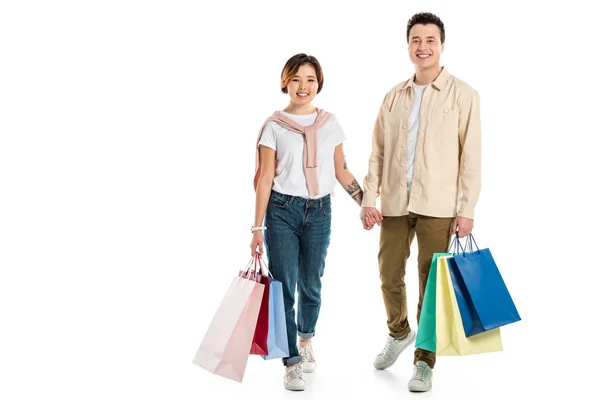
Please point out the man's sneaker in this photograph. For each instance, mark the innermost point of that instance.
(421, 379)
(391, 351)
(293, 379)
(308, 357)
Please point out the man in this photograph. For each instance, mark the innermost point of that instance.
(425, 165)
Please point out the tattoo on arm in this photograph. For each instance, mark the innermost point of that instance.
(355, 192)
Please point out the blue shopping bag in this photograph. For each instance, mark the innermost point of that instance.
(277, 342)
(470, 319)
(483, 299)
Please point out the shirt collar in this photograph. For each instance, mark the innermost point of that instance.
(439, 83)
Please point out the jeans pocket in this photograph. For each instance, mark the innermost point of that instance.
(277, 200)
(326, 208)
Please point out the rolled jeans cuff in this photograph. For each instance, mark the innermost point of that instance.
(292, 360)
(306, 335)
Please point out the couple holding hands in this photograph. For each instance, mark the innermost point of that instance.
(425, 165)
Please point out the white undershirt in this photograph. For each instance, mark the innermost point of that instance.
(413, 130)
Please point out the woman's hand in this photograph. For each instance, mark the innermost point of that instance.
(257, 241)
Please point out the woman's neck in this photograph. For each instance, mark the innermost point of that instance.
(304, 109)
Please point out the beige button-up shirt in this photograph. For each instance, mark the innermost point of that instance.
(447, 166)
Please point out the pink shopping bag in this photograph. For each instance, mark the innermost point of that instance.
(226, 345)
(259, 343)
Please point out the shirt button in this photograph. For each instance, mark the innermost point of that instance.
(402, 183)
(446, 111)
(404, 126)
(402, 165)
(407, 107)
(402, 146)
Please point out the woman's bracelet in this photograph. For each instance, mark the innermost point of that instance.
(257, 228)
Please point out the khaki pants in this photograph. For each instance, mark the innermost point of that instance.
(397, 233)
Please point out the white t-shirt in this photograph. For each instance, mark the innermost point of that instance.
(289, 176)
(413, 130)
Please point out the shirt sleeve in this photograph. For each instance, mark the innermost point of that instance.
(469, 130)
(340, 136)
(372, 181)
(269, 137)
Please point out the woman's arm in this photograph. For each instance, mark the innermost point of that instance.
(263, 192)
(345, 177)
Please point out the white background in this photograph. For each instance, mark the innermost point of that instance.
(126, 164)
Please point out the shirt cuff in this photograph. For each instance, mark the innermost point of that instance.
(369, 199)
(466, 212)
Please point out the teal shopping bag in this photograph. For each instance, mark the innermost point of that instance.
(426, 328)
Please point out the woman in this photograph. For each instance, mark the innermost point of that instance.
(299, 159)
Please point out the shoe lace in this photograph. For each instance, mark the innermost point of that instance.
(307, 353)
(387, 347)
(419, 372)
(294, 371)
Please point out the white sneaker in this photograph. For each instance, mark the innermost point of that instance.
(293, 379)
(391, 351)
(308, 357)
(421, 379)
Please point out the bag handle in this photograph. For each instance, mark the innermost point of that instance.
(262, 265)
(455, 242)
(246, 271)
(471, 241)
(469, 246)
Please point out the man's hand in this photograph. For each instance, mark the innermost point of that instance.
(464, 226)
(370, 216)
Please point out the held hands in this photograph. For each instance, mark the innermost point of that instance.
(370, 216)
(463, 225)
(257, 241)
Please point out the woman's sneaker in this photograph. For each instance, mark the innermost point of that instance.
(308, 357)
(293, 379)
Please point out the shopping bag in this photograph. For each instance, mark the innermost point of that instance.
(259, 274)
(426, 328)
(450, 336)
(488, 303)
(277, 341)
(470, 320)
(225, 348)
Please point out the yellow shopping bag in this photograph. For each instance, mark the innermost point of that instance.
(450, 334)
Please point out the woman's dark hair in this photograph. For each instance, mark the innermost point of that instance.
(293, 65)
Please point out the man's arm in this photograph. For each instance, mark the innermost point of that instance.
(369, 214)
(372, 181)
(469, 133)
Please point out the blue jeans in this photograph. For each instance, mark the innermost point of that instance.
(296, 241)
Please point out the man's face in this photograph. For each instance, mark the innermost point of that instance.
(425, 46)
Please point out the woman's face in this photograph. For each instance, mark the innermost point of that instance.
(303, 86)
